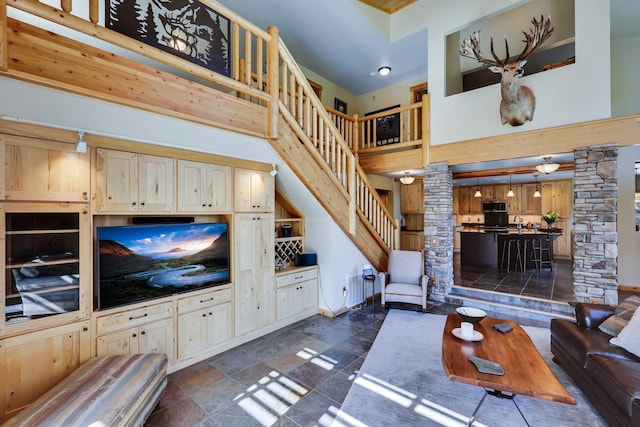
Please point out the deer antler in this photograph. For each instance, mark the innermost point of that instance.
(540, 32)
(471, 49)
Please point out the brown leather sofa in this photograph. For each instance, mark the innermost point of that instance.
(608, 375)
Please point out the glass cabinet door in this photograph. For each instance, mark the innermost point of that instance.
(42, 265)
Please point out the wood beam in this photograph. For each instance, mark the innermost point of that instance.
(561, 139)
(3, 36)
(516, 170)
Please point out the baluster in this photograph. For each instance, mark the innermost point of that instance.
(283, 93)
(259, 60)
(94, 11)
(65, 5)
(236, 52)
(247, 58)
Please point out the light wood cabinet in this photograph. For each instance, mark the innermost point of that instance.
(140, 330)
(530, 205)
(500, 191)
(254, 191)
(153, 337)
(31, 364)
(204, 321)
(43, 170)
(254, 272)
(557, 196)
(467, 202)
(297, 293)
(487, 193)
(412, 197)
(412, 240)
(45, 255)
(203, 187)
(130, 182)
(514, 204)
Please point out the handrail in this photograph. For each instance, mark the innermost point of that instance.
(320, 134)
(280, 86)
(91, 28)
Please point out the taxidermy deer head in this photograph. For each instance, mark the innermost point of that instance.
(518, 102)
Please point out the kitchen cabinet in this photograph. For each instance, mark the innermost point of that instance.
(487, 193)
(130, 182)
(61, 175)
(46, 260)
(412, 240)
(500, 191)
(147, 329)
(254, 191)
(468, 204)
(412, 197)
(514, 204)
(204, 321)
(32, 363)
(297, 293)
(530, 204)
(254, 277)
(557, 196)
(203, 187)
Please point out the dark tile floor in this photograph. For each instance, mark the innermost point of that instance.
(555, 284)
(296, 376)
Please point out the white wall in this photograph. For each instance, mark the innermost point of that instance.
(330, 91)
(571, 94)
(628, 238)
(625, 87)
(387, 96)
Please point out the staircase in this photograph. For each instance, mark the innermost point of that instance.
(516, 307)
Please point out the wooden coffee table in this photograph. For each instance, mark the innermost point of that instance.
(525, 371)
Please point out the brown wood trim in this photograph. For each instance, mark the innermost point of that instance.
(518, 170)
(562, 139)
(629, 288)
(4, 64)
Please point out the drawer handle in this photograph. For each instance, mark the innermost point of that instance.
(138, 317)
(298, 277)
(206, 300)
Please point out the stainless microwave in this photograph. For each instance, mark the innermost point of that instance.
(494, 206)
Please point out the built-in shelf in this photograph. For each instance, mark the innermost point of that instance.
(287, 246)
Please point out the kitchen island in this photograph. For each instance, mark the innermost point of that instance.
(483, 247)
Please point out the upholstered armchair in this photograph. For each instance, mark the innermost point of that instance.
(405, 281)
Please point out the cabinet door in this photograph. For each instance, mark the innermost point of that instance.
(287, 303)
(118, 343)
(500, 191)
(514, 204)
(219, 188)
(192, 182)
(487, 192)
(530, 204)
(464, 200)
(192, 332)
(254, 191)
(219, 324)
(156, 183)
(31, 364)
(157, 337)
(117, 181)
(309, 294)
(62, 173)
(412, 197)
(265, 270)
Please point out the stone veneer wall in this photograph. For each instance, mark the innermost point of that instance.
(438, 229)
(595, 247)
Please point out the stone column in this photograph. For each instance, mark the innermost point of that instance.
(438, 229)
(595, 242)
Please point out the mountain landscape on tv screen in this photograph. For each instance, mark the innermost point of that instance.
(147, 267)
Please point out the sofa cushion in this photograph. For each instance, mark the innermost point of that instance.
(614, 324)
(617, 378)
(629, 337)
(579, 342)
(403, 289)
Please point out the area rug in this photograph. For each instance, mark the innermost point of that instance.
(402, 383)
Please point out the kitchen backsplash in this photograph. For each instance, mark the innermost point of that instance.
(479, 219)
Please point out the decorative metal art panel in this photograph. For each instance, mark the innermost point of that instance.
(185, 28)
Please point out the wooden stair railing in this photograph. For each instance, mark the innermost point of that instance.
(301, 108)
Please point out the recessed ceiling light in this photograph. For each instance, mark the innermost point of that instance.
(384, 71)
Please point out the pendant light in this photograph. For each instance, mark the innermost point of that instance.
(510, 193)
(478, 193)
(407, 179)
(537, 193)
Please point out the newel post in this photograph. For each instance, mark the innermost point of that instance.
(356, 138)
(273, 68)
(4, 32)
(426, 131)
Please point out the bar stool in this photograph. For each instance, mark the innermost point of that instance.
(542, 249)
(510, 243)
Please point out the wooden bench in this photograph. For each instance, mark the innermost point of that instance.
(104, 391)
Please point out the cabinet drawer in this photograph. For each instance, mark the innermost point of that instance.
(298, 276)
(137, 317)
(209, 299)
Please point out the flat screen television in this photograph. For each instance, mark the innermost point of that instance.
(143, 262)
